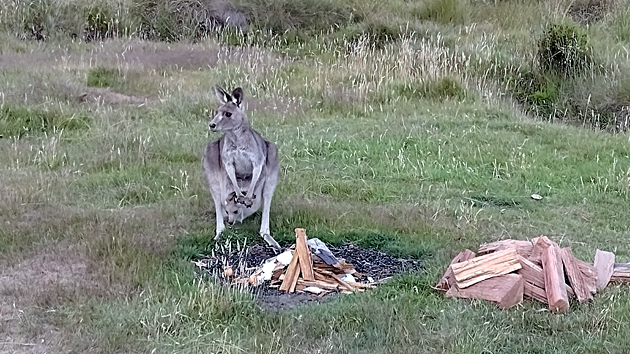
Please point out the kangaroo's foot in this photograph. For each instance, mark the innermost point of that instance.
(220, 228)
(271, 242)
(245, 194)
(245, 201)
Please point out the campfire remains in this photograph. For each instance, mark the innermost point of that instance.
(509, 270)
(307, 266)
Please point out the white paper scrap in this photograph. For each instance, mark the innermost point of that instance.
(285, 257)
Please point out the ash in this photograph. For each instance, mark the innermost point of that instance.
(373, 265)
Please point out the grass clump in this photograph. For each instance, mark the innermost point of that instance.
(41, 20)
(444, 11)
(621, 25)
(564, 49)
(102, 77)
(441, 89)
(18, 121)
(309, 16)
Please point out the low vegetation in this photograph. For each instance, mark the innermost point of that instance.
(418, 128)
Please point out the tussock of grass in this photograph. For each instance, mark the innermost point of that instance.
(16, 121)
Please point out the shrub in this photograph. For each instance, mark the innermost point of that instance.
(545, 96)
(564, 49)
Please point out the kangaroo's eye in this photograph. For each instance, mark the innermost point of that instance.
(235, 211)
(228, 114)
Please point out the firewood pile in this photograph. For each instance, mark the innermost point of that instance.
(507, 271)
(307, 266)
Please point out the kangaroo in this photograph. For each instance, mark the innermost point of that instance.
(241, 167)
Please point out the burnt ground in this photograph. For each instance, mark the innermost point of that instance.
(373, 265)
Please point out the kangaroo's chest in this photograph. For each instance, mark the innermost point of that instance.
(241, 158)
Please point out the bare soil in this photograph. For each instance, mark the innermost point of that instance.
(35, 285)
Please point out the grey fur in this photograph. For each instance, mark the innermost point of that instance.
(241, 167)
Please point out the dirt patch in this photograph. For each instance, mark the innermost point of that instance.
(34, 287)
(100, 95)
(373, 266)
(179, 59)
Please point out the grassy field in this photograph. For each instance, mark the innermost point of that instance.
(418, 128)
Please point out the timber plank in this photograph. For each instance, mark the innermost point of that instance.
(448, 278)
(604, 263)
(480, 268)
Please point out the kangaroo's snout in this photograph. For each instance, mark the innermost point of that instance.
(212, 125)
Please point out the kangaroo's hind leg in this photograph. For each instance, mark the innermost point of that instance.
(217, 182)
(269, 186)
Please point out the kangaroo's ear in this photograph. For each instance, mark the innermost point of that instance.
(237, 96)
(223, 96)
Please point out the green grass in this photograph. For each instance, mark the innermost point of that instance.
(419, 129)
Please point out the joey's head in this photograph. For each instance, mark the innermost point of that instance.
(232, 210)
(230, 114)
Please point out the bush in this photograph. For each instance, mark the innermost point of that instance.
(545, 97)
(564, 49)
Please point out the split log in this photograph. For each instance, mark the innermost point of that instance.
(523, 248)
(534, 280)
(319, 283)
(575, 275)
(557, 297)
(505, 290)
(359, 286)
(539, 244)
(315, 290)
(621, 273)
(448, 278)
(291, 276)
(303, 253)
(341, 282)
(589, 274)
(491, 265)
(604, 263)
